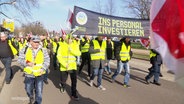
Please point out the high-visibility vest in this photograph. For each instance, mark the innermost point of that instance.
(45, 43)
(85, 48)
(54, 46)
(112, 43)
(98, 55)
(37, 60)
(125, 53)
(65, 57)
(21, 45)
(77, 44)
(152, 54)
(13, 49)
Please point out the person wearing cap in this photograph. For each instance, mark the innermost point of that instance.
(66, 55)
(124, 54)
(35, 60)
(98, 56)
(7, 53)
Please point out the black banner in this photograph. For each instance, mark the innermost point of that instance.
(92, 23)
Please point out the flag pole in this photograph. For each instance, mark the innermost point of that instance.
(69, 38)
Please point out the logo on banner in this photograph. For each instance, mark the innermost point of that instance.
(81, 18)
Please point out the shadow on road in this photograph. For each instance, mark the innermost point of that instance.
(54, 76)
(1, 70)
(134, 77)
(83, 77)
(15, 69)
(82, 100)
(133, 68)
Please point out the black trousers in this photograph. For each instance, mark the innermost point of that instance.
(73, 77)
(85, 59)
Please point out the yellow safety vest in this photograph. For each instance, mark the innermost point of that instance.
(65, 57)
(77, 43)
(152, 54)
(85, 48)
(54, 46)
(37, 60)
(112, 44)
(12, 48)
(125, 53)
(21, 45)
(98, 55)
(45, 43)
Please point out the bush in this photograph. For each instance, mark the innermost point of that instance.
(137, 45)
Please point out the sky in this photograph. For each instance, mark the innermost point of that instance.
(54, 13)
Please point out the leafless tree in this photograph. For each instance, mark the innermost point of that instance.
(110, 7)
(140, 8)
(22, 6)
(107, 7)
(98, 6)
(36, 28)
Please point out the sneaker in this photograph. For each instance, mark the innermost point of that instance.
(150, 69)
(112, 80)
(147, 81)
(101, 88)
(126, 86)
(31, 100)
(156, 83)
(45, 81)
(62, 89)
(91, 83)
(107, 72)
(7, 82)
(160, 75)
(75, 98)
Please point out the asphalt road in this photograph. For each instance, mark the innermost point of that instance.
(139, 93)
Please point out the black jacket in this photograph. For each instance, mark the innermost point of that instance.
(157, 59)
(5, 49)
(109, 50)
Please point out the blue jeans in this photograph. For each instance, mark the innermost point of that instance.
(97, 72)
(7, 64)
(126, 68)
(36, 84)
(108, 68)
(78, 60)
(154, 72)
(46, 75)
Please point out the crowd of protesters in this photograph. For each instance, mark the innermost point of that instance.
(69, 54)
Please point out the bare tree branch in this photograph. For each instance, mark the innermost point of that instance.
(98, 6)
(140, 8)
(8, 3)
(24, 7)
(4, 14)
(110, 7)
(106, 8)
